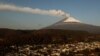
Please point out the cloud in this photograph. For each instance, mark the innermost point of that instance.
(8, 7)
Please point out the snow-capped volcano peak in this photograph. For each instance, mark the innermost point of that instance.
(70, 23)
(71, 19)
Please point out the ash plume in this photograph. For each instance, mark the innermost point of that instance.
(8, 7)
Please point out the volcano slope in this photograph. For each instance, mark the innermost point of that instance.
(73, 24)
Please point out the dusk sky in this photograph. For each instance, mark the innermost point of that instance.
(36, 14)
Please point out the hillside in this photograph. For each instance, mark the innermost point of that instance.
(44, 36)
(64, 42)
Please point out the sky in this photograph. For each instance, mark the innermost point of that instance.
(36, 14)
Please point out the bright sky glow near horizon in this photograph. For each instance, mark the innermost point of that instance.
(87, 11)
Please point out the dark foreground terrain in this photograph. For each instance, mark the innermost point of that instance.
(74, 49)
(48, 42)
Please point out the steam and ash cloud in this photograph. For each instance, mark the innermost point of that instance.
(7, 7)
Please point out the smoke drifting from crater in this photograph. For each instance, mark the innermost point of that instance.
(8, 7)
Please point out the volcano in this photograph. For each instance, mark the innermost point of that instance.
(70, 23)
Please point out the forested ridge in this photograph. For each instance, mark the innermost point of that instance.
(44, 36)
